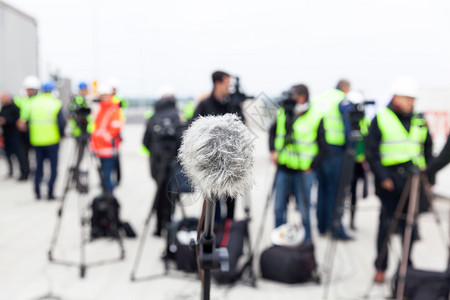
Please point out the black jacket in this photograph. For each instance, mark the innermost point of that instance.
(440, 161)
(373, 143)
(322, 143)
(11, 113)
(162, 137)
(214, 107)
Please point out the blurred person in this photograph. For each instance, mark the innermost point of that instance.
(46, 124)
(31, 84)
(360, 166)
(162, 138)
(437, 163)
(123, 103)
(398, 140)
(337, 128)
(297, 145)
(9, 115)
(105, 137)
(79, 111)
(217, 104)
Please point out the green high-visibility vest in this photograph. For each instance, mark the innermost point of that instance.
(360, 149)
(43, 120)
(23, 104)
(397, 144)
(334, 126)
(189, 109)
(299, 153)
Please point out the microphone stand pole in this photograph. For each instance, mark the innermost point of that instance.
(210, 257)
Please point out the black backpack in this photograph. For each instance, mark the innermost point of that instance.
(105, 220)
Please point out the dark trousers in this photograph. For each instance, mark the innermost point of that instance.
(108, 166)
(46, 153)
(163, 205)
(25, 146)
(13, 148)
(389, 202)
(230, 204)
(328, 179)
(358, 173)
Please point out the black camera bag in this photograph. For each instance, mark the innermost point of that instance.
(105, 216)
(289, 264)
(233, 239)
(182, 254)
(424, 285)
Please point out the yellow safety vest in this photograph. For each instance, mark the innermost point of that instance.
(43, 120)
(397, 144)
(300, 152)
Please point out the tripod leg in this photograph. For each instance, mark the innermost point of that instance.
(410, 220)
(142, 243)
(69, 179)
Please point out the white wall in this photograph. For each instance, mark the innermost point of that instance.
(18, 48)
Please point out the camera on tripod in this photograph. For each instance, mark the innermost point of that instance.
(358, 112)
(237, 96)
(358, 109)
(81, 115)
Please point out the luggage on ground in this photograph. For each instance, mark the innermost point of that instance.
(289, 264)
(424, 285)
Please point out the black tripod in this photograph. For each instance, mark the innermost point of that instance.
(412, 190)
(79, 178)
(345, 179)
(162, 187)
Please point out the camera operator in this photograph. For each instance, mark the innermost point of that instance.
(297, 145)
(337, 128)
(219, 103)
(162, 138)
(398, 140)
(79, 111)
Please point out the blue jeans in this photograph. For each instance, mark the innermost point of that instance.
(43, 153)
(299, 184)
(328, 178)
(108, 166)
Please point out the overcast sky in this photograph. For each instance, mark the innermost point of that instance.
(269, 44)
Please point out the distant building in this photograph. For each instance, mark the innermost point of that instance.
(18, 47)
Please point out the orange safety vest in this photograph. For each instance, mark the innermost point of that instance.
(108, 123)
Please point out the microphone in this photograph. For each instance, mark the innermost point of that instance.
(216, 154)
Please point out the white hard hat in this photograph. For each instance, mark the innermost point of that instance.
(355, 97)
(287, 235)
(104, 89)
(31, 82)
(405, 86)
(165, 91)
(113, 82)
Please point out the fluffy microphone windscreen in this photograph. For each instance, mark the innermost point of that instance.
(216, 154)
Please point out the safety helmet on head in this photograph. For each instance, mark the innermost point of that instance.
(48, 86)
(104, 89)
(31, 82)
(355, 97)
(165, 91)
(405, 86)
(83, 85)
(113, 82)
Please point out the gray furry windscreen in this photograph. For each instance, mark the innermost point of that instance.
(216, 154)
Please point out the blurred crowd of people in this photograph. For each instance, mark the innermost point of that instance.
(309, 142)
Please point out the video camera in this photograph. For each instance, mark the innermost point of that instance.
(80, 115)
(358, 113)
(288, 104)
(237, 96)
